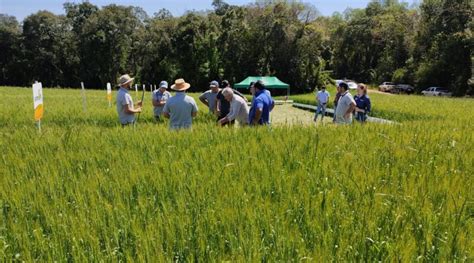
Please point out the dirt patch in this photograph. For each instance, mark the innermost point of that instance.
(288, 115)
(379, 92)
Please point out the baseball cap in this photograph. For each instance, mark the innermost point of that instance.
(164, 84)
(214, 84)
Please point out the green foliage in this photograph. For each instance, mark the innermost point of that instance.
(429, 45)
(46, 48)
(374, 43)
(10, 39)
(402, 75)
(444, 44)
(86, 189)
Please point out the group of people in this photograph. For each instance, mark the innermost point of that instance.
(227, 104)
(345, 105)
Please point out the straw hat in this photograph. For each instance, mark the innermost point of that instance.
(125, 79)
(180, 85)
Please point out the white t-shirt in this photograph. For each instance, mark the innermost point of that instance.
(323, 96)
(343, 105)
(238, 110)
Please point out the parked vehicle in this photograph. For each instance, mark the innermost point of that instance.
(437, 91)
(403, 88)
(386, 86)
(352, 84)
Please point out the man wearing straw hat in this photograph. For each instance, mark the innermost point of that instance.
(160, 97)
(125, 108)
(181, 108)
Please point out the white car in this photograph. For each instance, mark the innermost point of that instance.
(436, 91)
(351, 84)
(386, 86)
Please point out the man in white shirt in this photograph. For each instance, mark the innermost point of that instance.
(322, 98)
(238, 108)
(345, 106)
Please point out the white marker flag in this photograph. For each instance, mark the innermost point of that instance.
(84, 102)
(38, 102)
(109, 94)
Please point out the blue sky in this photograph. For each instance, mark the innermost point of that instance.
(22, 8)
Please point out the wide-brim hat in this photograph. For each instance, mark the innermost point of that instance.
(125, 79)
(180, 85)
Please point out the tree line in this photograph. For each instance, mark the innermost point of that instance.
(425, 45)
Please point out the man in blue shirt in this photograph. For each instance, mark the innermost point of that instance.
(261, 106)
(181, 108)
(160, 97)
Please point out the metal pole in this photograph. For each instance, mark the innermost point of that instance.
(84, 102)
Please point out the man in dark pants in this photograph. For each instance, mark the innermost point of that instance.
(262, 105)
(223, 106)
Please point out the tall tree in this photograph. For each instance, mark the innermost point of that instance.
(108, 35)
(43, 38)
(444, 44)
(11, 55)
(155, 49)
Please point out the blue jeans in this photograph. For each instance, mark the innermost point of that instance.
(321, 109)
(361, 116)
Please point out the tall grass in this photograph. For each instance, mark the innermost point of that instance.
(86, 189)
(404, 108)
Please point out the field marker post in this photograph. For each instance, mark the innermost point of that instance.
(109, 94)
(38, 103)
(84, 102)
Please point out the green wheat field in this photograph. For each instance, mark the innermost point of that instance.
(85, 189)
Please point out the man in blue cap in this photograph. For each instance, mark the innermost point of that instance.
(209, 98)
(160, 96)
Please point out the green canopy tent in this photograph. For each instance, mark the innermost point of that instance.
(270, 82)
